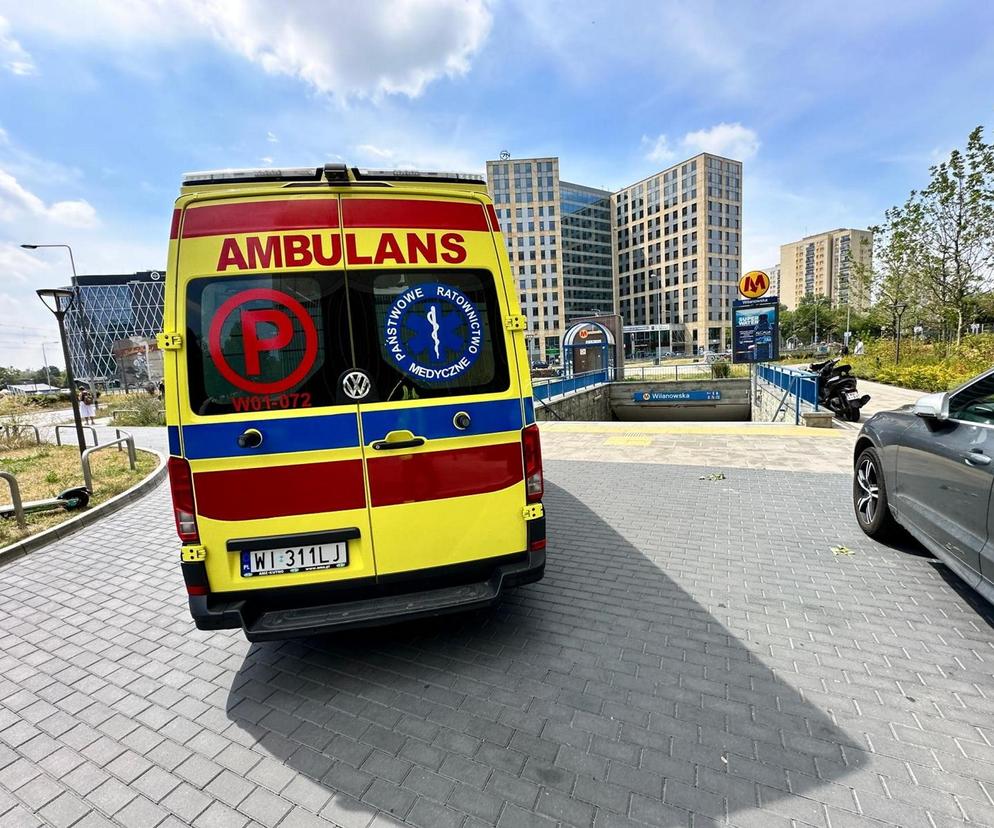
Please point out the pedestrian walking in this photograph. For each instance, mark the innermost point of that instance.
(87, 408)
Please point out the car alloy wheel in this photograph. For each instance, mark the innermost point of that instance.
(868, 481)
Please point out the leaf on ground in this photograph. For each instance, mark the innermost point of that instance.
(713, 476)
(842, 550)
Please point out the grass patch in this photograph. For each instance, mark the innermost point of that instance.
(45, 471)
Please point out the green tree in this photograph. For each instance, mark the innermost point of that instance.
(949, 230)
(812, 314)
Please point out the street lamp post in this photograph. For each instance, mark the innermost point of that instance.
(899, 309)
(58, 301)
(87, 340)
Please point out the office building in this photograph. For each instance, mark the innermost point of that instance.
(678, 248)
(112, 324)
(559, 240)
(833, 264)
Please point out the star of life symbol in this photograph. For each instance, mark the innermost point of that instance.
(433, 332)
(356, 385)
(433, 319)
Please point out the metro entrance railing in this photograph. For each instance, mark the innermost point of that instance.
(796, 383)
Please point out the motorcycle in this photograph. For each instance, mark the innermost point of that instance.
(837, 389)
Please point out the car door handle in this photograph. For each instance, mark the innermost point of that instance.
(976, 457)
(398, 440)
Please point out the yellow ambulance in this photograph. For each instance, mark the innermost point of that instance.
(352, 436)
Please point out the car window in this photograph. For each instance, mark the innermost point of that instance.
(266, 342)
(975, 403)
(424, 333)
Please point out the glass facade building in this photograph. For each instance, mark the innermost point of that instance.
(559, 242)
(115, 319)
(587, 262)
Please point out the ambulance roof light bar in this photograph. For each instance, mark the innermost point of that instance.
(332, 173)
(259, 174)
(418, 175)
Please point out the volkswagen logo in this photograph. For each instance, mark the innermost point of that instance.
(356, 384)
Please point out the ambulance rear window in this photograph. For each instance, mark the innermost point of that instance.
(424, 333)
(269, 342)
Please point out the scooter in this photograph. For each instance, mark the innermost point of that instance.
(837, 389)
(69, 500)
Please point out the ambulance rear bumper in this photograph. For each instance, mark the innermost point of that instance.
(269, 615)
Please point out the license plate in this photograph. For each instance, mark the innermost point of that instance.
(295, 559)
(852, 395)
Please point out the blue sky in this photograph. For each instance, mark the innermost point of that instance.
(836, 108)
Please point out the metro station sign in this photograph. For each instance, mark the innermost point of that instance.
(754, 284)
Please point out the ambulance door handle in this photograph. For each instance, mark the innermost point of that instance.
(398, 440)
(250, 438)
(383, 445)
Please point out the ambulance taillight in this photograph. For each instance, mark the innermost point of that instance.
(531, 446)
(181, 484)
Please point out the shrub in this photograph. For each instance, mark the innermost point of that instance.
(721, 370)
(138, 410)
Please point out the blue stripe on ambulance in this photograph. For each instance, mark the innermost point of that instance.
(329, 431)
(173, 432)
(529, 411)
(435, 422)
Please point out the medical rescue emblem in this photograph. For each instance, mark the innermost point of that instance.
(433, 332)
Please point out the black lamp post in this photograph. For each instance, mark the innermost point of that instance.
(899, 309)
(84, 322)
(58, 301)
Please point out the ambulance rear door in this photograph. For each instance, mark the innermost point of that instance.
(441, 423)
(272, 442)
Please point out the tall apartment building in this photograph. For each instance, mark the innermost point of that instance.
(678, 245)
(559, 241)
(773, 271)
(823, 265)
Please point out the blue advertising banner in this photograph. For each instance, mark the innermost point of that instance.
(675, 396)
(756, 329)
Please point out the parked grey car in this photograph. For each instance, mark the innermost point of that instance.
(927, 467)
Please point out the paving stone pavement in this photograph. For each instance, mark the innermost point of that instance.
(696, 655)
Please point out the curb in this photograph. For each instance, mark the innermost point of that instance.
(119, 501)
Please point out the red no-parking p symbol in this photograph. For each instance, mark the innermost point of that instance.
(254, 344)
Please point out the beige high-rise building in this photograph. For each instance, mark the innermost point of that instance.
(827, 264)
(559, 241)
(678, 244)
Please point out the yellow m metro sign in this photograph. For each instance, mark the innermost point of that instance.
(754, 284)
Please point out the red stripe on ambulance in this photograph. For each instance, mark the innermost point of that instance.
(277, 491)
(434, 475)
(409, 213)
(260, 216)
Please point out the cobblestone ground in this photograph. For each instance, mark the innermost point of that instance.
(695, 655)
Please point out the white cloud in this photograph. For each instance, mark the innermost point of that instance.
(13, 57)
(658, 149)
(379, 152)
(730, 140)
(17, 202)
(341, 48)
(272, 138)
(267, 160)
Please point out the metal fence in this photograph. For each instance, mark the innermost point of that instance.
(545, 387)
(797, 384)
(692, 371)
